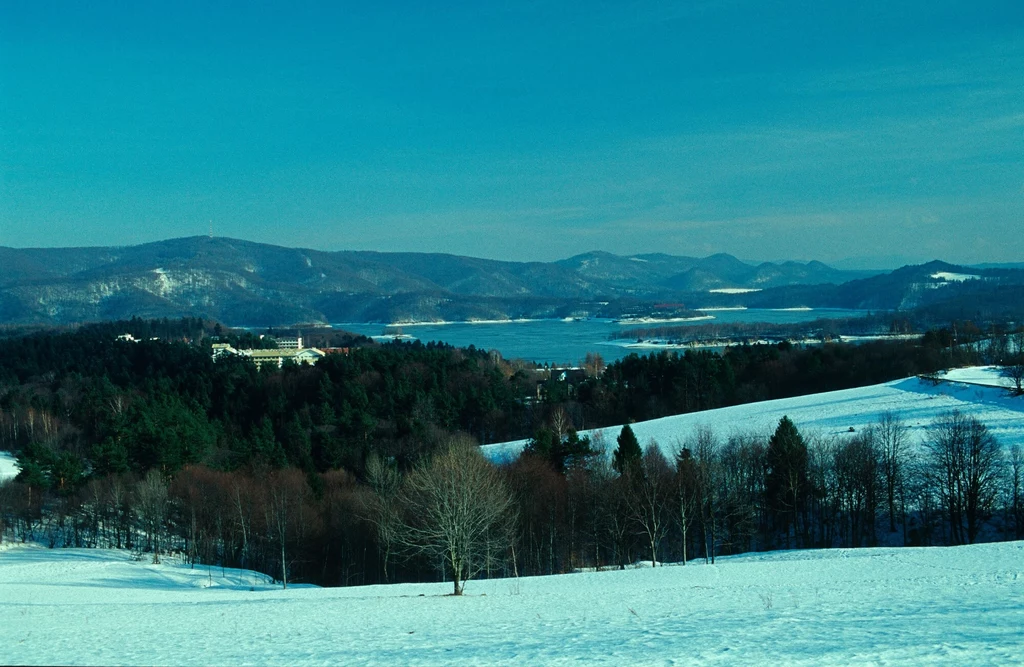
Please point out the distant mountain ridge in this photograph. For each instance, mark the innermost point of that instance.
(245, 283)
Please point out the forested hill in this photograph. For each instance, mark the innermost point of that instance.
(87, 400)
(251, 284)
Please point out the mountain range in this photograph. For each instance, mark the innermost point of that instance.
(251, 284)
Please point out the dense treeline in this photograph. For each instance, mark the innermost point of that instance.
(302, 472)
(822, 329)
(639, 388)
(761, 491)
(554, 508)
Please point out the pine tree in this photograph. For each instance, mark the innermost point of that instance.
(566, 452)
(786, 474)
(628, 454)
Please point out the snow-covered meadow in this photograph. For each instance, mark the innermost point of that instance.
(980, 392)
(957, 605)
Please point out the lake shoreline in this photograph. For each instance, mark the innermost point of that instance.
(568, 340)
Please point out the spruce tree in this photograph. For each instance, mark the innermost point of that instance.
(568, 451)
(786, 474)
(628, 453)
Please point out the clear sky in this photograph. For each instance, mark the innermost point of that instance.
(873, 132)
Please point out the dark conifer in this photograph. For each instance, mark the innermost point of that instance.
(628, 453)
(786, 475)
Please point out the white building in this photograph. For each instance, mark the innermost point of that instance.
(306, 355)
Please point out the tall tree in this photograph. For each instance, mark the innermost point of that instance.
(891, 437)
(628, 452)
(648, 498)
(965, 465)
(382, 508)
(561, 451)
(786, 476)
(1015, 367)
(709, 487)
(1015, 478)
(153, 507)
(856, 464)
(687, 494)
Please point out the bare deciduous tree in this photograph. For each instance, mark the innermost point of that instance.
(457, 510)
(382, 507)
(1016, 473)
(593, 364)
(242, 504)
(891, 436)
(648, 491)
(965, 466)
(560, 422)
(856, 464)
(152, 495)
(1015, 368)
(283, 502)
(687, 494)
(1015, 371)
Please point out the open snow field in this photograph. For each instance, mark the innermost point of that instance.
(918, 401)
(985, 375)
(8, 466)
(956, 605)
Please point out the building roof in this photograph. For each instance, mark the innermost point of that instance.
(283, 353)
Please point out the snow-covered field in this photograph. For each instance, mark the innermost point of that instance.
(918, 401)
(991, 376)
(958, 605)
(8, 466)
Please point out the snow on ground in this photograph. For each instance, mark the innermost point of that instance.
(663, 320)
(662, 344)
(954, 277)
(991, 376)
(8, 466)
(861, 339)
(955, 605)
(918, 401)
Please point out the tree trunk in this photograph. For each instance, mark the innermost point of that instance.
(456, 568)
(284, 568)
(684, 543)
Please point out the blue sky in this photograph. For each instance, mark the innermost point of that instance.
(860, 133)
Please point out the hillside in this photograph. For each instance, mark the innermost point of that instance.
(959, 605)
(834, 413)
(244, 283)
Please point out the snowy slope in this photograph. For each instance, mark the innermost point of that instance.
(8, 466)
(961, 605)
(918, 401)
(986, 375)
